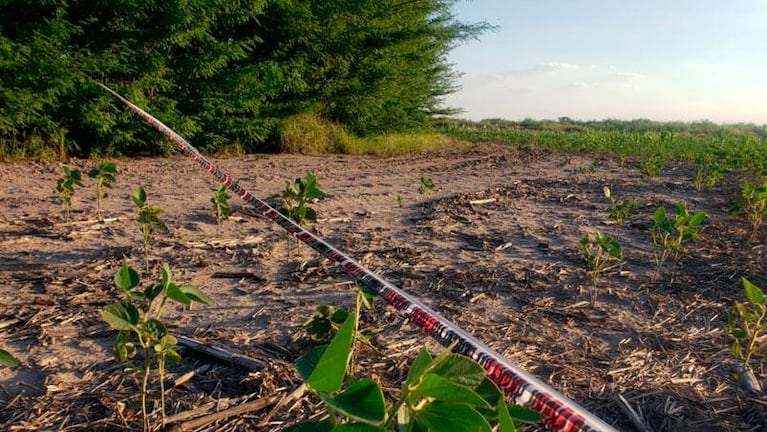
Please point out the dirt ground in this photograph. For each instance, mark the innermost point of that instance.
(494, 248)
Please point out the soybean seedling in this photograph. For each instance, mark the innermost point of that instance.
(65, 186)
(447, 393)
(427, 185)
(295, 199)
(619, 210)
(597, 251)
(652, 166)
(668, 235)
(747, 326)
(753, 205)
(708, 173)
(137, 320)
(148, 220)
(220, 201)
(104, 173)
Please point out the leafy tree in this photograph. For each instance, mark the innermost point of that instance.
(220, 73)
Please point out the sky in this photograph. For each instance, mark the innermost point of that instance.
(666, 60)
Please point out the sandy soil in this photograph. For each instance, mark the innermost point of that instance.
(494, 248)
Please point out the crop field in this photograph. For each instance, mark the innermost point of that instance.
(610, 275)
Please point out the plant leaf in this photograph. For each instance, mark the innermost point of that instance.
(6, 359)
(308, 362)
(126, 278)
(419, 367)
(121, 315)
(451, 417)
(458, 369)
(362, 401)
(174, 293)
(155, 328)
(505, 423)
(329, 373)
(195, 294)
(524, 414)
(446, 390)
(753, 293)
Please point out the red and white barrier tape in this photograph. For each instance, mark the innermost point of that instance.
(560, 413)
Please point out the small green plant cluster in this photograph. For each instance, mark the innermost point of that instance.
(620, 211)
(446, 393)
(669, 235)
(597, 251)
(747, 325)
(7, 360)
(297, 195)
(149, 220)
(652, 166)
(295, 199)
(138, 322)
(753, 205)
(105, 173)
(65, 187)
(427, 185)
(708, 172)
(221, 208)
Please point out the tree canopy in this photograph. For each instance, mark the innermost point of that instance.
(219, 72)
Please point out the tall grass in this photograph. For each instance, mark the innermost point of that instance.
(311, 134)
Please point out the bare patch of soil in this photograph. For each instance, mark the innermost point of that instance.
(494, 248)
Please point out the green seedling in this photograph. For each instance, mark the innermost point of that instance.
(620, 211)
(753, 205)
(149, 220)
(325, 323)
(7, 360)
(447, 393)
(137, 321)
(597, 251)
(104, 173)
(65, 187)
(747, 326)
(669, 235)
(708, 173)
(427, 185)
(652, 166)
(220, 201)
(400, 200)
(295, 200)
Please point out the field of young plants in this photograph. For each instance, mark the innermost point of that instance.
(630, 282)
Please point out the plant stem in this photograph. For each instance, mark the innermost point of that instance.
(752, 340)
(144, 383)
(161, 373)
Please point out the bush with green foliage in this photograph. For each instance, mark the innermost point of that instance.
(218, 72)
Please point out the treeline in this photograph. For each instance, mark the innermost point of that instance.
(221, 73)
